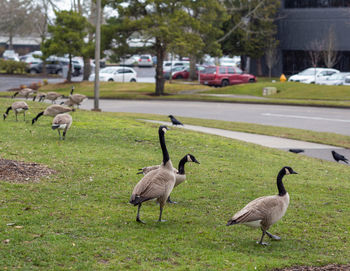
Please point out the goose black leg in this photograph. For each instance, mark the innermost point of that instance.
(16, 116)
(160, 213)
(138, 214)
(262, 237)
(59, 133)
(170, 201)
(273, 237)
(24, 115)
(64, 134)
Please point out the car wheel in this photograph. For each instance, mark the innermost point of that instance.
(133, 80)
(110, 80)
(251, 80)
(32, 71)
(179, 77)
(60, 73)
(224, 83)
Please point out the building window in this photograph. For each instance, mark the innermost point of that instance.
(316, 3)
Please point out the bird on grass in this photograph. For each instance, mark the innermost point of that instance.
(62, 122)
(157, 184)
(338, 157)
(75, 99)
(265, 211)
(296, 150)
(25, 92)
(53, 110)
(180, 175)
(174, 121)
(17, 107)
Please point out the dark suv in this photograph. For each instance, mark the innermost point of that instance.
(54, 67)
(224, 76)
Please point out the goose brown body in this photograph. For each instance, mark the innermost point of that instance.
(53, 96)
(62, 122)
(52, 111)
(157, 184)
(17, 107)
(265, 211)
(25, 92)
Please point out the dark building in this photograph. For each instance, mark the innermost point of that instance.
(305, 26)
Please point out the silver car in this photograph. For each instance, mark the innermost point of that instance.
(336, 79)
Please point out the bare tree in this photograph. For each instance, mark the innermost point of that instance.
(271, 55)
(15, 19)
(330, 55)
(315, 53)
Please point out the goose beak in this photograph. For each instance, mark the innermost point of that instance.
(294, 172)
(195, 160)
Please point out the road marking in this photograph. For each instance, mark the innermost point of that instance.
(303, 117)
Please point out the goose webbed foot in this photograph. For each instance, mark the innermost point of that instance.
(161, 220)
(170, 201)
(139, 220)
(273, 237)
(262, 238)
(262, 243)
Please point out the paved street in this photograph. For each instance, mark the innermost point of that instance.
(309, 118)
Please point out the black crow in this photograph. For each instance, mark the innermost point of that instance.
(340, 157)
(296, 150)
(174, 121)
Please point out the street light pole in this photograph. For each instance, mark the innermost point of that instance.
(97, 56)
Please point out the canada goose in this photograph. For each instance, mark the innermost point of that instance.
(338, 157)
(157, 184)
(75, 99)
(296, 150)
(24, 92)
(180, 176)
(17, 107)
(174, 121)
(52, 111)
(62, 122)
(263, 212)
(40, 95)
(52, 96)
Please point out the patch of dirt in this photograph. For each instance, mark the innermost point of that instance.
(21, 172)
(330, 267)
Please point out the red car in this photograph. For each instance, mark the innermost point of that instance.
(185, 73)
(224, 76)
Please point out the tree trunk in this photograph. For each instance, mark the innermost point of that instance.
(11, 42)
(69, 75)
(87, 68)
(259, 66)
(193, 73)
(160, 49)
(243, 63)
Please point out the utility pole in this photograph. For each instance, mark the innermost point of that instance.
(97, 56)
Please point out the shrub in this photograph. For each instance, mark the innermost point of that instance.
(45, 82)
(11, 66)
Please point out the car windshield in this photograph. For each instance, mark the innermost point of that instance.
(210, 70)
(310, 71)
(108, 70)
(238, 70)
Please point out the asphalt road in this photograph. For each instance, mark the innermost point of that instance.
(308, 118)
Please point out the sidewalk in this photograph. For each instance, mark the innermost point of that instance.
(314, 150)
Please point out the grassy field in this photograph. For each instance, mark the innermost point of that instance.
(80, 218)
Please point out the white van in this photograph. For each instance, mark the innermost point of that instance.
(167, 65)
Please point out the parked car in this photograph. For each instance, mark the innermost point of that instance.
(167, 65)
(167, 72)
(54, 65)
(130, 61)
(10, 55)
(185, 72)
(347, 81)
(312, 75)
(336, 79)
(116, 74)
(230, 61)
(224, 76)
(145, 61)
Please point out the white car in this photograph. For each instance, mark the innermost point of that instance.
(167, 65)
(347, 81)
(336, 79)
(312, 75)
(116, 74)
(228, 61)
(145, 61)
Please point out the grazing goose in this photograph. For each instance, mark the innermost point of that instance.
(338, 157)
(17, 107)
(62, 122)
(296, 150)
(174, 121)
(157, 184)
(24, 92)
(40, 95)
(52, 111)
(263, 212)
(179, 174)
(53, 96)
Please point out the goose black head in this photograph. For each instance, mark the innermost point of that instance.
(191, 158)
(163, 129)
(171, 116)
(71, 92)
(288, 170)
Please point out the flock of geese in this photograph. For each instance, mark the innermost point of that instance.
(159, 180)
(62, 120)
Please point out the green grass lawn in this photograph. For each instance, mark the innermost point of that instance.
(80, 219)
